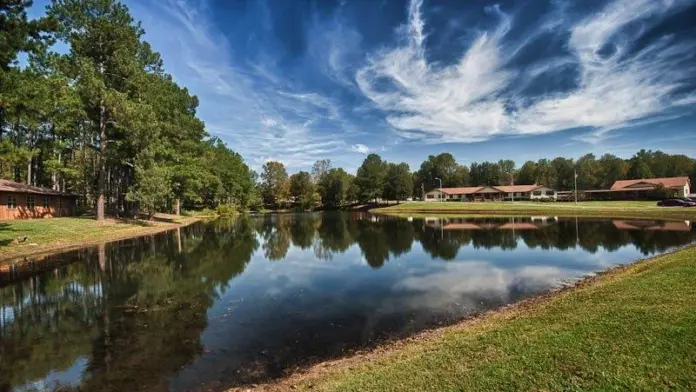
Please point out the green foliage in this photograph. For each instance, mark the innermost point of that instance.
(444, 167)
(564, 169)
(612, 169)
(152, 188)
(334, 188)
(588, 170)
(640, 166)
(399, 183)
(303, 190)
(507, 167)
(226, 210)
(527, 174)
(371, 178)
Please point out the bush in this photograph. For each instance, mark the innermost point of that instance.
(660, 193)
(226, 209)
(202, 212)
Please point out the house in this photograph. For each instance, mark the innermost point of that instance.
(21, 201)
(484, 193)
(680, 185)
(633, 189)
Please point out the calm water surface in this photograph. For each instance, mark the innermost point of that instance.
(238, 302)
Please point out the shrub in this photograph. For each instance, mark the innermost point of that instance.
(660, 193)
(226, 209)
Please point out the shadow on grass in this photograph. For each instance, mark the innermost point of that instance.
(125, 221)
(5, 227)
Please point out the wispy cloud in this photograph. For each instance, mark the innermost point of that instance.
(473, 99)
(360, 148)
(249, 104)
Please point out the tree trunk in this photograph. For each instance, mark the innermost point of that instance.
(29, 172)
(177, 207)
(54, 176)
(102, 161)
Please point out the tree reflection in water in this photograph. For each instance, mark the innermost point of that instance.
(130, 315)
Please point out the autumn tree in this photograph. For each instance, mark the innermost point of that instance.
(275, 184)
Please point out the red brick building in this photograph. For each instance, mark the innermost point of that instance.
(21, 201)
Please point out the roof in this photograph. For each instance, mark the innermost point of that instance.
(668, 182)
(11, 186)
(462, 226)
(502, 188)
(460, 191)
(519, 226)
(652, 225)
(518, 188)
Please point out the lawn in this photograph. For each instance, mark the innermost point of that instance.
(633, 328)
(616, 209)
(52, 234)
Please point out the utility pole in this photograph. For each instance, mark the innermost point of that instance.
(440, 188)
(512, 182)
(576, 185)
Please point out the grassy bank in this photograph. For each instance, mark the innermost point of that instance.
(45, 235)
(632, 328)
(615, 209)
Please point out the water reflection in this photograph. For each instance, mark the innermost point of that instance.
(235, 302)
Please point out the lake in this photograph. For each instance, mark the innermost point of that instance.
(236, 302)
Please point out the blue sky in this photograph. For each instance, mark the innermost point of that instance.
(297, 81)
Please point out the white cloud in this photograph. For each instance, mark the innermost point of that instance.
(616, 89)
(360, 148)
(470, 100)
(250, 106)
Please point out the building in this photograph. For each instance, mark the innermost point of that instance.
(680, 185)
(21, 201)
(491, 193)
(633, 189)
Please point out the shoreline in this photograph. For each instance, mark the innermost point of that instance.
(321, 373)
(135, 229)
(453, 209)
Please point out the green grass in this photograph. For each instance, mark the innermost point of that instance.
(615, 209)
(631, 329)
(50, 234)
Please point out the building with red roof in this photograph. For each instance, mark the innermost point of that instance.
(483, 193)
(22, 201)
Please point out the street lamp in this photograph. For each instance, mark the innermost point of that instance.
(440, 188)
(512, 182)
(575, 176)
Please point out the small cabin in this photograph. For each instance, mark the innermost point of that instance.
(22, 201)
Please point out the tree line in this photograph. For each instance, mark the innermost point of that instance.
(104, 120)
(377, 179)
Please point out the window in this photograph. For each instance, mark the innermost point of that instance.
(549, 193)
(537, 193)
(31, 203)
(430, 196)
(47, 202)
(11, 202)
